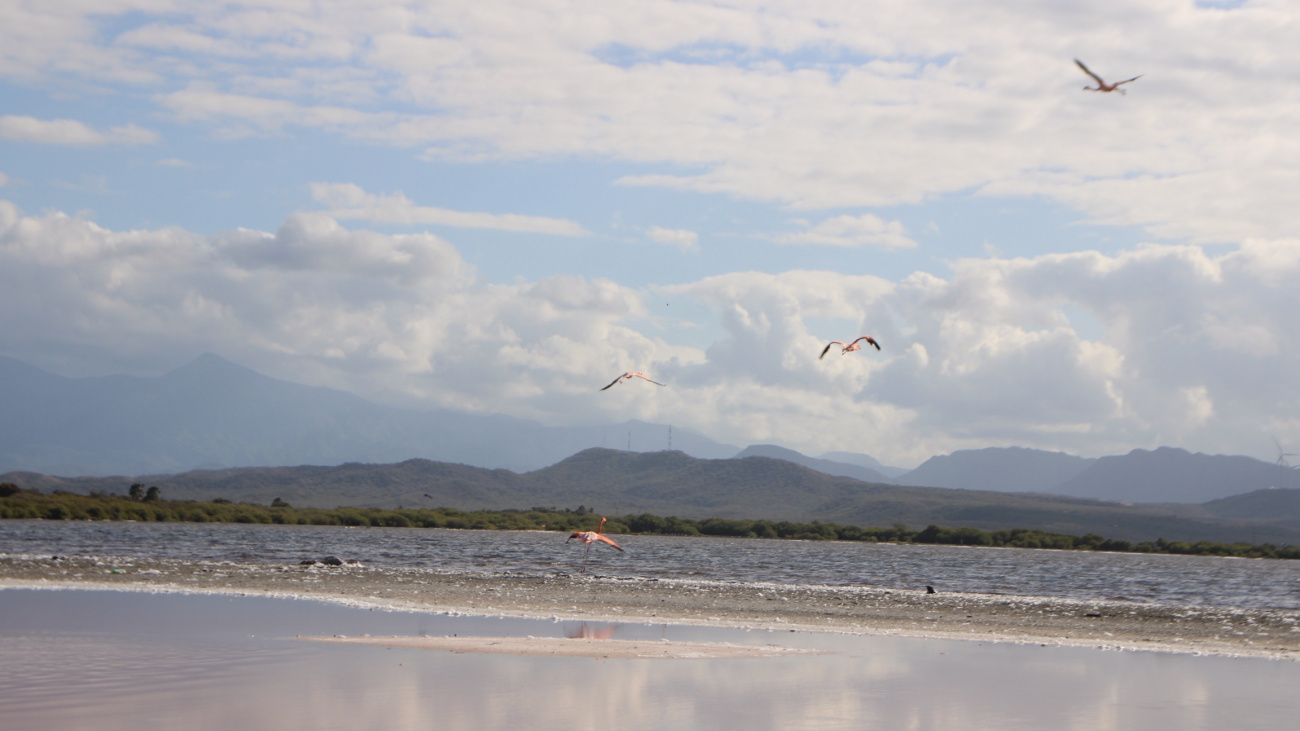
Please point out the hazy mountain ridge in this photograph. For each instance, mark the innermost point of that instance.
(673, 483)
(212, 413)
(1163, 475)
(825, 466)
(1005, 469)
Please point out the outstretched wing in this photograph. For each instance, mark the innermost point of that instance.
(638, 375)
(616, 380)
(869, 339)
(606, 539)
(1086, 71)
(1125, 81)
(827, 349)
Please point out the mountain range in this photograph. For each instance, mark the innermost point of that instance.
(671, 483)
(213, 414)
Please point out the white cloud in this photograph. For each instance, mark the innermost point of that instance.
(677, 237)
(71, 132)
(4, 180)
(1181, 347)
(808, 105)
(853, 231)
(348, 201)
(397, 317)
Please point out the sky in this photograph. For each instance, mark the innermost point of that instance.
(498, 207)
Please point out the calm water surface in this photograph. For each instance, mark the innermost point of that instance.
(1178, 580)
(125, 660)
(105, 660)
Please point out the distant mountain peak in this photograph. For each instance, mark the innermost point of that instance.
(825, 466)
(212, 363)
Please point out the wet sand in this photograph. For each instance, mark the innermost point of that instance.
(601, 648)
(1113, 625)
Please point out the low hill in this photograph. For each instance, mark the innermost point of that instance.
(673, 483)
(1258, 505)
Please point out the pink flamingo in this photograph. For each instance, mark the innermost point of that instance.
(1101, 85)
(585, 633)
(849, 348)
(588, 537)
(629, 376)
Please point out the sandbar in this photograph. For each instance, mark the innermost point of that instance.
(864, 610)
(601, 648)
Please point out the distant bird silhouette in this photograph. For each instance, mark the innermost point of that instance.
(929, 589)
(629, 376)
(1102, 85)
(850, 347)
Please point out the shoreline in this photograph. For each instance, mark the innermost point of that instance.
(1107, 625)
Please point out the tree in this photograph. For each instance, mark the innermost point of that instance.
(278, 503)
(136, 492)
(152, 494)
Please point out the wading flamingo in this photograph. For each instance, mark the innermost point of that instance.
(850, 347)
(1101, 85)
(629, 376)
(588, 537)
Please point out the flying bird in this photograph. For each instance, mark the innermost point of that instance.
(588, 537)
(850, 347)
(1102, 85)
(629, 376)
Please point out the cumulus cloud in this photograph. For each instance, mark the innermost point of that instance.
(397, 317)
(852, 231)
(71, 132)
(348, 201)
(676, 237)
(1084, 352)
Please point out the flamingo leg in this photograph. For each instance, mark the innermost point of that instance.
(585, 554)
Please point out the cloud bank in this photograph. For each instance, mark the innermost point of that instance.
(809, 105)
(1083, 352)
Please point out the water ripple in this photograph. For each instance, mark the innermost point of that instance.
(1193, 581)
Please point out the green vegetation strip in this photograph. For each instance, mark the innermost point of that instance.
(141, 505)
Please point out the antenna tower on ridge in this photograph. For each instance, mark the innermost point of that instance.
(1283, 466)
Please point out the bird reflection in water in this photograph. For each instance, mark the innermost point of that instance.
(586, 632)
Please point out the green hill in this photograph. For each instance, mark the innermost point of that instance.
(675, 484)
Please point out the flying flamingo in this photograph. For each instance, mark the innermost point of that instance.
(629, 376)
(588, 537)
(849, 348)
(1101, 85)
